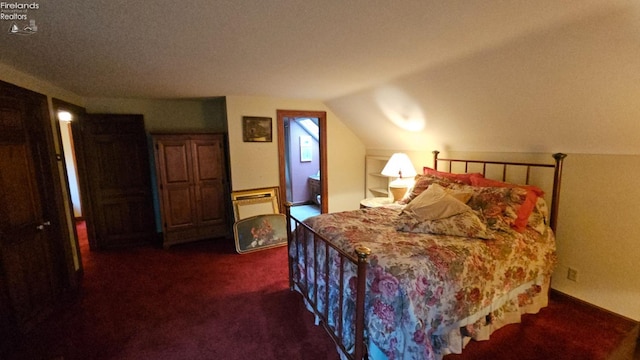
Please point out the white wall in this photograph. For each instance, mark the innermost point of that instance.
(255, 165)
(598, 232)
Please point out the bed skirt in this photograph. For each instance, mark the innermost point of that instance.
(527, 299)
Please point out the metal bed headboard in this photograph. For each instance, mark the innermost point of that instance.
(557, 175)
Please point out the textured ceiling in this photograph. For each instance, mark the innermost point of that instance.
(286, 48)
(486, 75)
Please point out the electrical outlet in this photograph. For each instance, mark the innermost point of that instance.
(572, 274)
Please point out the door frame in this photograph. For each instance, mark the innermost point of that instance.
(83, 186)
(78, 112)
(322, 124)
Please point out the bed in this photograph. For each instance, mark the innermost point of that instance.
(468, 250)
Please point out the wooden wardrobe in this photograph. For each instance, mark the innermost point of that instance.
(192, 186)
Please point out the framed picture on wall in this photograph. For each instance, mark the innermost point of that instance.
(256, 129)
(306, 154)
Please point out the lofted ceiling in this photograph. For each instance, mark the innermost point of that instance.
(367, 60)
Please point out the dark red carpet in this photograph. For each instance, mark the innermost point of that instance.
(195, 301)
(204, 301)
(565, 330)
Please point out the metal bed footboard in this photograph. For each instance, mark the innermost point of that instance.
(298, 235)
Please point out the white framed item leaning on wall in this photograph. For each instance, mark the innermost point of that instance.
(258, 222)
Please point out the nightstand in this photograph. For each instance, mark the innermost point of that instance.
(375, 202)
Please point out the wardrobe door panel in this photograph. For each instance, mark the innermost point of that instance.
(209, 159)
(176, 162)
(213, 209)
(179, 207)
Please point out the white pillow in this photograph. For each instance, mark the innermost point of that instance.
(437, 203)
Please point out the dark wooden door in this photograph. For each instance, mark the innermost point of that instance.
(114, 162)
(31, 270)
(210, 181)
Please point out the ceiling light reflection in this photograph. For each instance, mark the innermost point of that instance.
(400, 108)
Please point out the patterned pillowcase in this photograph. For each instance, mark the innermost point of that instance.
(539, 218)
(421, 184)
(464, 178)
(466, 224)
(498, 205)
(525, 210)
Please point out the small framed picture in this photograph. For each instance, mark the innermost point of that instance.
(256, 129)
(306, 154)
(260, 232)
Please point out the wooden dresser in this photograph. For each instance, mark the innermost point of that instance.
(192, 186)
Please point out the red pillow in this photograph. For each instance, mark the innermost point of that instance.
(533, 192)
(463, 178)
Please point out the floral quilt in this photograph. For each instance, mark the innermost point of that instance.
(420, 287)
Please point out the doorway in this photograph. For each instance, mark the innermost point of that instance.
(65, 114)
(302, 157)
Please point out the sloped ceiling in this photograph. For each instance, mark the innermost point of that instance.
(462, 70)
(571, 88)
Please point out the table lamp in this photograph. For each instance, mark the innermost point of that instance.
(399, 166)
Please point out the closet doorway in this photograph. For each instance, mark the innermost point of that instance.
(65, 113)
(302, 157)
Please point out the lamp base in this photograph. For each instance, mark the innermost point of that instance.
(398, 192)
